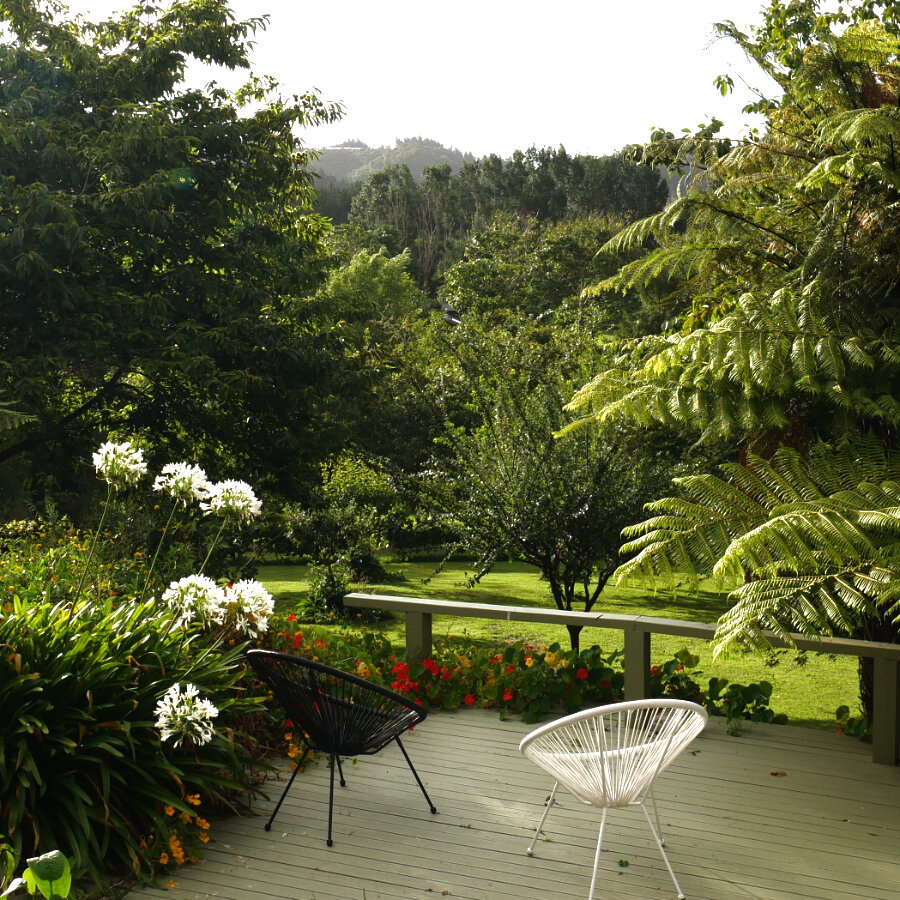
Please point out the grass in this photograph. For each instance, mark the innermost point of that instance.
(808, 688)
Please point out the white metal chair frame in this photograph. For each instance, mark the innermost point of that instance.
(610, 756)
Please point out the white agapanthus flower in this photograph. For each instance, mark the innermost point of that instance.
(232, 499)
(248, 606)
(183, 714)
(196, 597)
(182, 481)
(121, 465)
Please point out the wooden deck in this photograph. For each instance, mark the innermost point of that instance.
(828, 827)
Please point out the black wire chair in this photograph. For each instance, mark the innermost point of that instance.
(338, 713)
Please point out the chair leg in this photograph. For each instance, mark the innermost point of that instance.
(341, 772)
(537, 831)
(412, 768)
(662, 840)
(268, 825)
(663, 852)
(597, 854)
(329, 841)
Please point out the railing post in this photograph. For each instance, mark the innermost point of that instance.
(418, 636)
(885, 711)
(637, 665)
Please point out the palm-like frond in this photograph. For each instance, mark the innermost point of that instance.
(816, 541)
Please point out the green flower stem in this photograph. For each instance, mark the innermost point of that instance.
(162, 537)
(212, 546)
(90, 554)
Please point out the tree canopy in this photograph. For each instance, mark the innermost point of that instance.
(152, 238)
(787, 332)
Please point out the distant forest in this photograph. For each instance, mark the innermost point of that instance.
(424, 197)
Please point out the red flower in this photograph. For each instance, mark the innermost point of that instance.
(604, 684)
(469, 699)
(445, 675)
(654, 670)
(509, 668)
(298, 640)
(582, 674)
(496, 659)
(292, 617)
(507, 694)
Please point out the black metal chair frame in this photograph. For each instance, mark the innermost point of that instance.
(337, 713)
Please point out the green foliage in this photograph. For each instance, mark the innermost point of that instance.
(815, 540)
(432, 216)
(50, 874)
(509, 487)
(856, 726)
(327, 585)
(82, 765)
(345, 525)
(152, 239)
(787, 293)
(533, 680)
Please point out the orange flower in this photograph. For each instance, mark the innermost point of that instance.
(203, 837)
(169, 810)
(202, 823)
(193, 799)
(163, 859)
(185, 818)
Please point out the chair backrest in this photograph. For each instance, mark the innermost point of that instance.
(609, 756)
(339, 712)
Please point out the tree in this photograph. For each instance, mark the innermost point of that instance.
(508, 487)
(790, 337)
(151, 240)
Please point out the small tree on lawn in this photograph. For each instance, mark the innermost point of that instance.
(509, 487)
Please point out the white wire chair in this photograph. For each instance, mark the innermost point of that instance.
(610, 756)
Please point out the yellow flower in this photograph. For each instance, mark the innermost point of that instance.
(202, 823)
(529, 661)
(193, 799)
(171, 883)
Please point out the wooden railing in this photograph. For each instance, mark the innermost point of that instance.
(637, 630)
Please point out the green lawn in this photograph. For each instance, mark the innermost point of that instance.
(808, 691)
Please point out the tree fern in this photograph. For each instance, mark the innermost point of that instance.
(815, 541)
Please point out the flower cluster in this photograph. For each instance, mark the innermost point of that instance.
(183, 714)
(248, 606)
(523, 678)
(231, 499)
(196, 597)
(120, 465)
(182, 481)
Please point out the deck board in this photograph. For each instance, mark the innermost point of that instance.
(830, 826)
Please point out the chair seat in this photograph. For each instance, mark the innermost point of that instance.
(610, 756)
(336, 712)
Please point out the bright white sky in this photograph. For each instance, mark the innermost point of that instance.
(490, 76)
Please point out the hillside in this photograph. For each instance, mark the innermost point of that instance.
(354, 160)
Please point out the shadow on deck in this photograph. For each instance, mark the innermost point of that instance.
(828, 827)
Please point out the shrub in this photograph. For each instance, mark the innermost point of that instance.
(532, 680)
(120, 714)
(82, 764)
